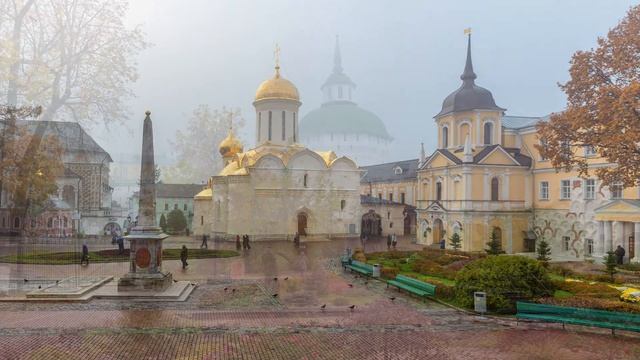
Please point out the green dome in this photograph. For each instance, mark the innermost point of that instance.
(342, 117)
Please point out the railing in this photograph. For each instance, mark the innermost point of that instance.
(477, 205)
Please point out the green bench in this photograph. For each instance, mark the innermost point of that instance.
(578, 316)
(360, 267)
(413, 286)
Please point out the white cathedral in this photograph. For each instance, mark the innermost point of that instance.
(280, 187)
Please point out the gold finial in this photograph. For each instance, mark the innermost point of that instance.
(230, 122)
(467, 31)
(276, 54)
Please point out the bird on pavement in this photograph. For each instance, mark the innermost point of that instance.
(225, 289)
(392, 298)
(350, 285)
(287, 278)
(324, 306)
(26, 280)
(352, 307)
(275, 295)
(275, 279)
(233, 290)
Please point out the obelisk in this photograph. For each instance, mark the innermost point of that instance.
(145, 239)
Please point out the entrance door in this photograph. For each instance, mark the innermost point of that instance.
(437, 231)
(632, 246)
(302, 224)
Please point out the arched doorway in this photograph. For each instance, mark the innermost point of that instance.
(409, 221)
(371, 224)
(438, 231)
(112, 227)
(302, 224)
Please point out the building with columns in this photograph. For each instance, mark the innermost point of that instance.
(279, 187)
(340, 124)
(486, 176)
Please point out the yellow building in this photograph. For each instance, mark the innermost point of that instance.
(487, 176)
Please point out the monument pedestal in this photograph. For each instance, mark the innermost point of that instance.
(145, 261)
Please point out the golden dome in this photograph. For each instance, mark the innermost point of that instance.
(277, 88)
(230, 146)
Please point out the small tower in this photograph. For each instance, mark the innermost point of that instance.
(230, 146)
(277, 103)
(422, 156)
(338, 86)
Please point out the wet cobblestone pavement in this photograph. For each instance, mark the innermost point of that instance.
(233, 314)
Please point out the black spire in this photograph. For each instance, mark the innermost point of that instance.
(468, 76)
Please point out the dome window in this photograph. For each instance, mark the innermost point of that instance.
(445, 137)
(397, 170)
(488, 132)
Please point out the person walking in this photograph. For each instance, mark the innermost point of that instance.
(85, 254)
(204, 242)
(120, 245)
(184, 254)
(238, 245)
(296, 240)
(248, 245)
(389, 241)
(619, 255)
(394, 241)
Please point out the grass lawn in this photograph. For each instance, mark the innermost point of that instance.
(104, 256)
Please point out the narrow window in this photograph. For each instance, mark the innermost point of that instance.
(340, 92)
(283, 126)
(50, 223)
(445, 137)
(402, 197)
(343, 203)
(184, 207)
(390, 196)
(380, 196)
(488, 132)
(166, 206)
(495, 188)
(590, 189)
(294, 128)
(589, 246)
(201, 220)
(175, 206)
(259, 125)
(304, 180)
(269, 136)
(565, 243)
(565, 189)
(16, 222)
(438, 191)
(544, 190)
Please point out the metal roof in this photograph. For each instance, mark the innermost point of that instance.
(177, 190)
(386, 172)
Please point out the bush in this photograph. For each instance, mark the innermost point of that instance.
(358, 255)
(582, 288)
(389, 272)
(176, 221)
(443, 291)
(504, 279)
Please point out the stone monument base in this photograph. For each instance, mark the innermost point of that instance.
(140, 282)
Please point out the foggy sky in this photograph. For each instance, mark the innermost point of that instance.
(404, 56)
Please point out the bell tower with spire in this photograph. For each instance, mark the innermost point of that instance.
(338, 86)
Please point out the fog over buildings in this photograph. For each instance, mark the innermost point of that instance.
(405, 58)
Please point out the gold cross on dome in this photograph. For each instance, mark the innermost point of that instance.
(276, 54)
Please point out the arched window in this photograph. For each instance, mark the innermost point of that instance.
(340, 92)
(304, 180)
(463, 131)
(438, 191)
(283, 126)
(445, 137)
(269, 136)
(50, 223)
(495, 187)
(16, 222)
(488, 133)
(64, 221)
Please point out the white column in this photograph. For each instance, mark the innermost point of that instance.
(636, 242)
(617, 235)
(607, 236)
(599, 246)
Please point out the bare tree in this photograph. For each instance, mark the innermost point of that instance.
(196, 148)
(75, 58)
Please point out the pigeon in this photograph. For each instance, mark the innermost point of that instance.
(275, 295)
(352, 307)
(39, 287)
(175, 281)
(225, 289)
(275, 279)
(26, 280)
(287, 278)
(233, 290)
(350, 285)
(392, 298)
(323, 306)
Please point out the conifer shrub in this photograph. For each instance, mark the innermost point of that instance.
(505, 279)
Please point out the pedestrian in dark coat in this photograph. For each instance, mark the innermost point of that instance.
(184, 253)
(120, 245)
(85, 254)
(205, 243)
(619, 255)
(248, 246)
(238, 242)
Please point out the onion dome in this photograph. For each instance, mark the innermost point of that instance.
(277, 88)
(230, 146)
(469, 96)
